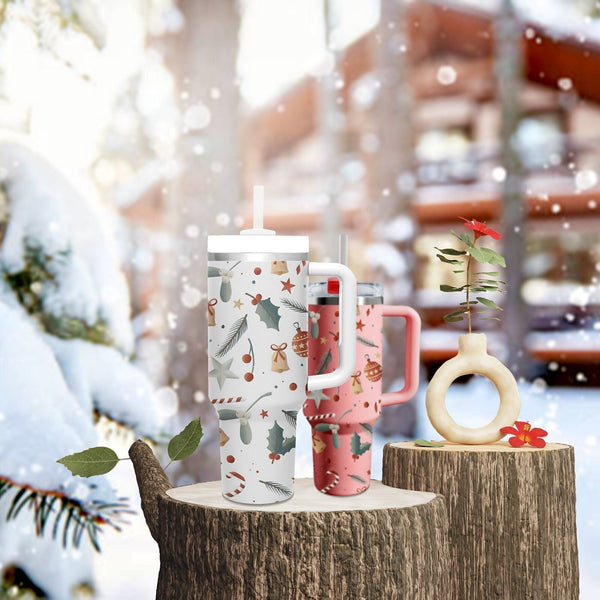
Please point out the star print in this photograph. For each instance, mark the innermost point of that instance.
(323, 340)
(360, 325)
(264, 413)
(238, 303)
(317, 396)
(221, 371)
(287, 285)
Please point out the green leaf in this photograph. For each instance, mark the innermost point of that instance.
(225, 291)
(450, 251)
(90, 462)
(428, 444)
(492, 273)
(185, 443)
(451, 288)
(458, 271)
(448, 260)
(450, 319)
(463, 237)
(470, 302)
(460, 311)
(487, 255)
(214, 272)
(357, 447)
(268, 313)
(489, 303)
(276, 443)
(227, 414)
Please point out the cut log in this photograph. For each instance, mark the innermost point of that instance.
(383, 544)
(511, 514)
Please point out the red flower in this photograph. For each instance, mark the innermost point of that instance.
(480, 228)
(524, 434)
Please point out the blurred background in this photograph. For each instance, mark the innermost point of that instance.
(132, 129)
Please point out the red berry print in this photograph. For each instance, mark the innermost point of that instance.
(293, 386)
(230, 459)
(248, 376)
(246, 358)
(257, 271)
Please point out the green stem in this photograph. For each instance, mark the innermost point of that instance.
(469, 283)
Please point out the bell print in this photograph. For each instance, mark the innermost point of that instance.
(211, 312)
(279, 361)
(356, 385)
(279, 267)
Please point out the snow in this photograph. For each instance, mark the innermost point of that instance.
(51, 422)
(50, 387)
(101, 378)
(46, 211)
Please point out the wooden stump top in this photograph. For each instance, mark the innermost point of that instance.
(306, 498)
(497, 447)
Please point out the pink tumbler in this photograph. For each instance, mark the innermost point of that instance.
(342, 418)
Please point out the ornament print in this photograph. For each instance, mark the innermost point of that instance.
(256, 384)
(373, 371)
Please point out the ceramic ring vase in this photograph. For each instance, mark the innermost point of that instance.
(472, 358)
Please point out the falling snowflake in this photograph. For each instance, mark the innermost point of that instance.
(446, 75)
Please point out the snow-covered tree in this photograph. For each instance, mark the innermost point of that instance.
(86, 105)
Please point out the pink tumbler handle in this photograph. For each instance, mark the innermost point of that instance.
(411, 369)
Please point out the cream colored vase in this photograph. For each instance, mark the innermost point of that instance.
(472, 358)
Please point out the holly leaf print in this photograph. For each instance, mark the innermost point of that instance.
(214, 272)
(277, 444)
(268, 313)
(357, 447)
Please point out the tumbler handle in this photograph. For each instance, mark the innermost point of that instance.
(411, 366)
(347, 341)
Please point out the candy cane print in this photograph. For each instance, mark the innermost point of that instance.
(225, 400)
(241, 486)
(320, 417)
(330, 486)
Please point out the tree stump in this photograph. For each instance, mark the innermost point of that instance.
(511, 514)
(383, 544)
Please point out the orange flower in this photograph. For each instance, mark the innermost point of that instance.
(480, 228)
(524, 434)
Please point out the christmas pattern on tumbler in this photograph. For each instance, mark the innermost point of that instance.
(342, 418)
(258, 352)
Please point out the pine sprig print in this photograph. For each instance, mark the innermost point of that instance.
(238, 329)
(277, 488)
(294, 305)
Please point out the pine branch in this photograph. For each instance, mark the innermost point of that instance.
(233, 337)
(277, 488)
(48, 505)
(293, 305)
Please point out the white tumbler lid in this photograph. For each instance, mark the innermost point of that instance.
(258, 240)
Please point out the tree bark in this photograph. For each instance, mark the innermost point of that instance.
(383, 544)
(511, 514)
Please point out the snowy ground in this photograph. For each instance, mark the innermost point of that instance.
(130, 561)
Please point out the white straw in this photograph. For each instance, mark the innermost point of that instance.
(343, 258)
(259, 203)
